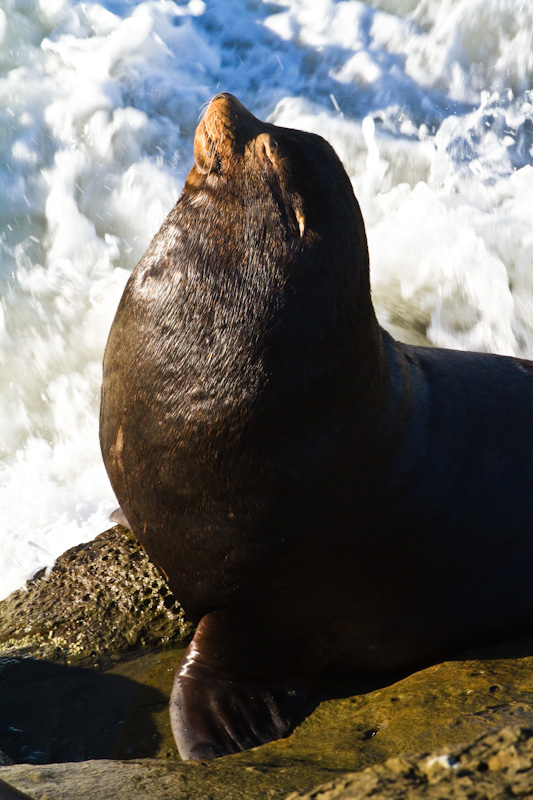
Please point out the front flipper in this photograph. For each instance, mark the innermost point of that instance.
(214, 712)
(213, 717)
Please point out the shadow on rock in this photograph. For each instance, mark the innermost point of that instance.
(336, 685)
(50, 712)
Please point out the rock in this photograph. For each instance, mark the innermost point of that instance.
(52, 712)
(10, 793)
(87, 659)
(496, 765)
(101, 597)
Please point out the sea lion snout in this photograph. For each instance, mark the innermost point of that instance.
(224, 132)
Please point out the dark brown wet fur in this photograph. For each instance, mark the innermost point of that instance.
(317, 494)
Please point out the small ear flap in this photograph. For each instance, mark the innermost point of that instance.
(298, 208)
(271, 150)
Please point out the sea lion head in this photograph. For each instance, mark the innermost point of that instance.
(283, 192)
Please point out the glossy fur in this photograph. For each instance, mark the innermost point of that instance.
(317, 494)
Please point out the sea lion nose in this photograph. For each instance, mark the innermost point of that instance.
(224, 131)
(225, 96)
(227, 104)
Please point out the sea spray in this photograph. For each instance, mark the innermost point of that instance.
(427, 103)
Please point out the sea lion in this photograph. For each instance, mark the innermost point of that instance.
(318, 495)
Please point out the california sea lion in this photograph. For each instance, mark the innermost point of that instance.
(318, 494)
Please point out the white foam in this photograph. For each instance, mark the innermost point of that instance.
(426, 101)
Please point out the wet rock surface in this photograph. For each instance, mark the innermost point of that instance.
(87, 660)
(496, 765)
(50, 712)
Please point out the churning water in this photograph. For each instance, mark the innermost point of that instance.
(427, 102)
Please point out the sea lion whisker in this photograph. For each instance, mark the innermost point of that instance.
(203, 109)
